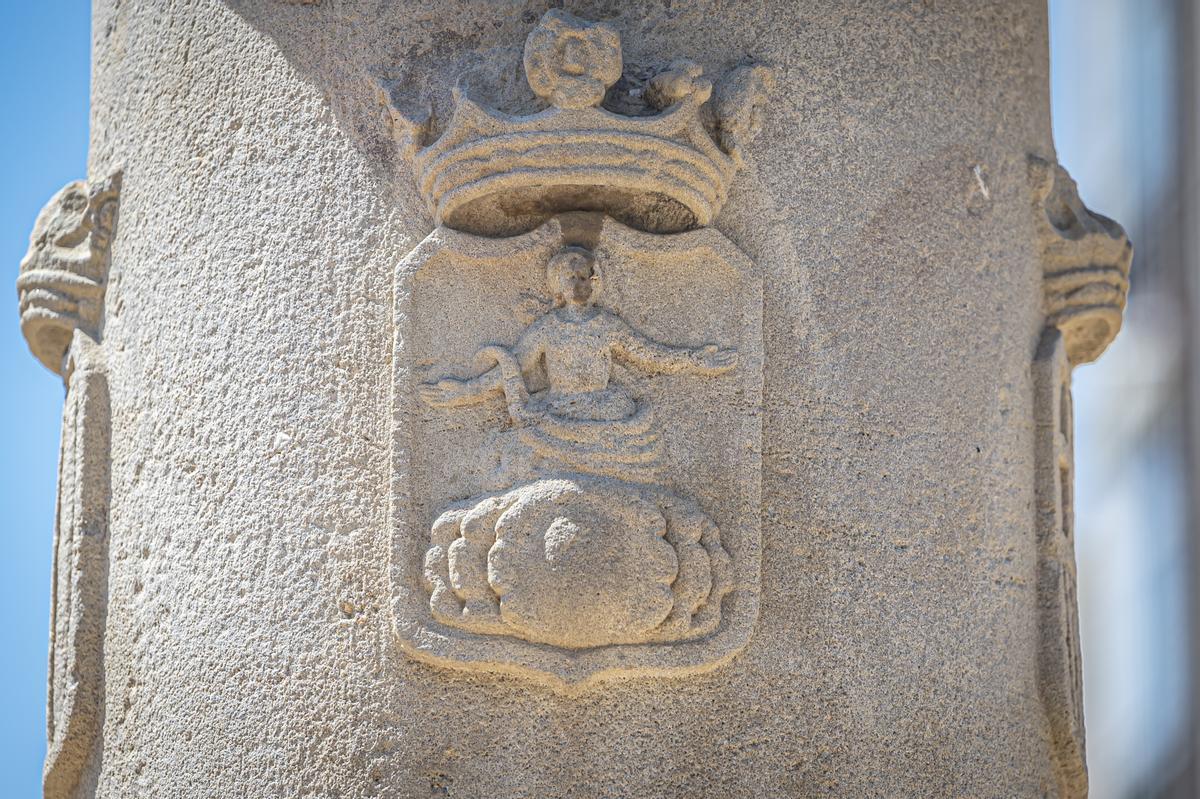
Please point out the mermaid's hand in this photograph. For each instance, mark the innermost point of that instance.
(443, 393)
(712, 359)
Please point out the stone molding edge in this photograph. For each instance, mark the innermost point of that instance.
(1060, 668)
(79, 604)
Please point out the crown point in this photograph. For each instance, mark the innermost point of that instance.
(682, 79)
(408, 122)
(570, 62)
(738, 105)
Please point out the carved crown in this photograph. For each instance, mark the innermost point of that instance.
(665, 168)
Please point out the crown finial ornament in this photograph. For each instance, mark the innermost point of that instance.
(570, 62)
(663, 171)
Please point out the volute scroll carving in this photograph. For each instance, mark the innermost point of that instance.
(63, 275)
(1085, 259)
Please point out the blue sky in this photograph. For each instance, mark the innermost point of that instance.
(45, 64)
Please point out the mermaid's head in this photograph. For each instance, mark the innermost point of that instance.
(573, 277)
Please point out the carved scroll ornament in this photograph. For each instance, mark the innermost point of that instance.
(1085, 261)
(63, 275)
(60, 292)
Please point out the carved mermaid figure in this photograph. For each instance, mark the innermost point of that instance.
(581, 421)
(581, 543)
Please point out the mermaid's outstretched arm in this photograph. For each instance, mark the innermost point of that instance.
(449, 391)
(649, 354)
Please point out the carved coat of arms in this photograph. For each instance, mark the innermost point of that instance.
(577, 378)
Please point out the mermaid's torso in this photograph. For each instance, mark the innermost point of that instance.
(588, 425)
(577, 353)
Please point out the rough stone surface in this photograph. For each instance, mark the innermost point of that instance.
(273, 167)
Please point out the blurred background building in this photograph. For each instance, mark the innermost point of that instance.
(1125, 124)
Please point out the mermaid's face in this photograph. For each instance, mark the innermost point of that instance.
(574, 278)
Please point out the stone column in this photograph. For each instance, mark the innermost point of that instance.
(636, 401)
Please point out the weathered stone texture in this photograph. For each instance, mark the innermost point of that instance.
(250, 648)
